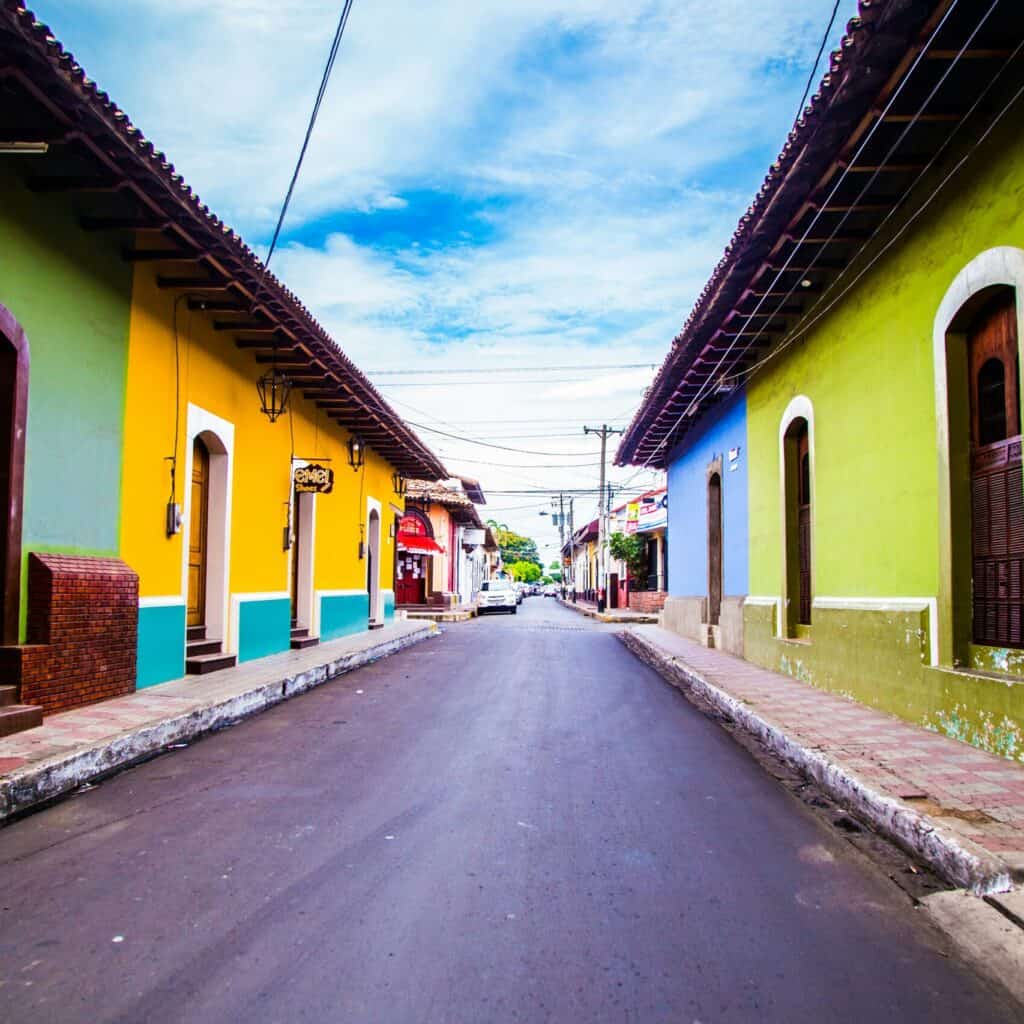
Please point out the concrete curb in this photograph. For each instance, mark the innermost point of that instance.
(45, 780)
(634, 619)
(953, 858)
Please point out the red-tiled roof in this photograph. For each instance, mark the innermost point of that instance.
(865, 75)
(103, 134)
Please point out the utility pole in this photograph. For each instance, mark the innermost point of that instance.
(602, 519)
(561, 541)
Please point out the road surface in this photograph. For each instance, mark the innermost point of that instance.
(515, 821)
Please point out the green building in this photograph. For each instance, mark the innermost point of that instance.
(869, 310)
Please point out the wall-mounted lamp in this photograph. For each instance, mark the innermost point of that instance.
(355, 451)
(399, 484)
(274, 388)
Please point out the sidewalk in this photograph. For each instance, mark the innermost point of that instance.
(623, 615)
(956, 808)
(75, 747)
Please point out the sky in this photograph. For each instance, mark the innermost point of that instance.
(520, 203)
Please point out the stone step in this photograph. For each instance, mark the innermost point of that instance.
(8, 696)
(196, 633)
(18, 717)
(299, 631)
(203, 663)
(196, 647)
(301, 642)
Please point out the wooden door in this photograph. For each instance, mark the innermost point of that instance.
(804, 524)
(197, 536)
(997, 490)
(296, 534)
(714, 549)
(410, 581)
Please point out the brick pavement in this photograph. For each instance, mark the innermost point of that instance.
(974, 794)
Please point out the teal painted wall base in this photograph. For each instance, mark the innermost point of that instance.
(344, 614)
(161, 645)
(389, 605)
(264, 627)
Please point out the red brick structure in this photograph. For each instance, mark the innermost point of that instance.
(647, 601)
(83, 616)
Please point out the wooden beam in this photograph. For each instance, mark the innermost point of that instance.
(975, 54)
(885, 168)
(158, 255)
(262, 343)
(121, 224)
(286, 360)
(248, 326)
(921, 118)
(215, 306)
(849, 238)
(819, 265)
(194, 283)
(73, 183)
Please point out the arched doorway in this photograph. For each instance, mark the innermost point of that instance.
(373, 568)
(198, 534)
(714, 548)
(997, 490)
(13, 416)
(415, 546)
(207, 543)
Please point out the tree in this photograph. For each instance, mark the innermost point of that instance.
(514, 546)
(632, 550)
(525, 572)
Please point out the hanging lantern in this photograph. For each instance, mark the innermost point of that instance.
(398, 483)
(274, 388)
(355, 451)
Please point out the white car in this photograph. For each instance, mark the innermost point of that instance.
(496, 596)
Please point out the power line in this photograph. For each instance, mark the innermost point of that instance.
(485, 444)
(331, 57)
(814, 68)
(441, 371)
(712, 379)
(476, 383)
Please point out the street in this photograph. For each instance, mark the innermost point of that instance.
(514, 821)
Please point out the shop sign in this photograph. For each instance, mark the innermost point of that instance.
(313, 479)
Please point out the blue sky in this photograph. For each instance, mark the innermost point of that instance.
(539, 184)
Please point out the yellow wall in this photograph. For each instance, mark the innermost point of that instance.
(220, 378)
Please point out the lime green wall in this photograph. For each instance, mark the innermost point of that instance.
(867, 368)
(70, 291)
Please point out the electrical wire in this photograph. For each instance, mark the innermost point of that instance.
(712, 379)
(329, 67)
(488, 370)
(817, 60)
(486, 444)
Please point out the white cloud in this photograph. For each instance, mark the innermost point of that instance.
(615, 130)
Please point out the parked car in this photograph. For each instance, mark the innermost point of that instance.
(497, 596)
(551, 590)
(520, 589)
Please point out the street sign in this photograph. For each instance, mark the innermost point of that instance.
(313, 479)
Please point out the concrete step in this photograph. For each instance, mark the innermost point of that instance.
(18, 717)
(299, 643)
(203, 663)
(196, 633)
(197, 647)
(299, 631)
(8, 696)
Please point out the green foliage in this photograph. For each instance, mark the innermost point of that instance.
(632, 550)
(514, 546)
(525, 572)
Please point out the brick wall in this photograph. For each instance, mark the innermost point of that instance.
(647, 601)
(83, 616)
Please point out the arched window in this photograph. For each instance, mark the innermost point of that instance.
(798, 503)
(991, 402)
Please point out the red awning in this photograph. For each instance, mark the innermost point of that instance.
(421, 545)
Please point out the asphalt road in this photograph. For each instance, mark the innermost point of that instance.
(516, 821)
